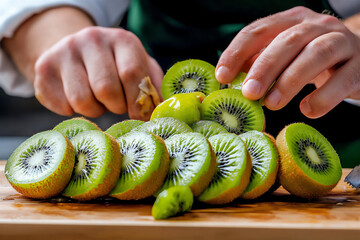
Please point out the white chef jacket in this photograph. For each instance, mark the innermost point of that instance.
(106, 13)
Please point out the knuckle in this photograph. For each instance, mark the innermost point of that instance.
(131, 74)
(329, 20)
(104, 89)
(298, 10)
(92, 34)
(256, 28)
(323, 49)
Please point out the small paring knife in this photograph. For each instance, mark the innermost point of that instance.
(353, 178)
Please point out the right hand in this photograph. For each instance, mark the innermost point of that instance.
(94, 70)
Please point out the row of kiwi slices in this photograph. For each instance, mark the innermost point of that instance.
(134, 160)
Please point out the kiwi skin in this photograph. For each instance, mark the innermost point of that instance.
(111, 175)
(153, 183)
(292, 178)
(55, 183)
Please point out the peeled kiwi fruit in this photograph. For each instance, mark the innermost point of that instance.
(233, 111)
(192, 162)
(309, 165)
(164, 127)
(42, 165)
(233, 169)
(121, 128)
(191, 75)
(265, 163)
(172, 201)
(73, 126)
(208, 128)
(97, 165)
(144, 167)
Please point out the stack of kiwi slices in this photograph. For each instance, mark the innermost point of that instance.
(224, 156)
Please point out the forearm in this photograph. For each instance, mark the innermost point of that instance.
(40, 32)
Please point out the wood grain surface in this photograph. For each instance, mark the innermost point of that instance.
(277, 216)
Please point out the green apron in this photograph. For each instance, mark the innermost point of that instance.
(172, 31)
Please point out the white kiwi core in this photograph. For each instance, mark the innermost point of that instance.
(313, 156)
(190, 84)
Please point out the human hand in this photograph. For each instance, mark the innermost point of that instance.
(94, 70)
(295, 47)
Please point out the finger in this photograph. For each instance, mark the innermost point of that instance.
(49, 89)
(77, 88)
(277, 56)
(131, 61)
(156, 74)
(341, 84)
(103, 76)
(251, 39)
(319, 55)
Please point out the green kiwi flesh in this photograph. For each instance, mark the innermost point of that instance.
(191, 75)
(192, 162)
(238, 81)
(232, 172)
(172, 201)
(208, 128)
(121, 128)
(265, 165)
(144, 167)
(313, 153)
(73, 126)
(164, 127)
(42, 165)
(97, 165)
(233, 111)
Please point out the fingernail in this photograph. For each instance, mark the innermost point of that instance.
(305, 107)
(273, 99)
(252, 87)
(223, 74)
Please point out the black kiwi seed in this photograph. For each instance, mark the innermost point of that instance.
(89, 150)
(303, 144)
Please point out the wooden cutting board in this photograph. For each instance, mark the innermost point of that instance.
(279, 216)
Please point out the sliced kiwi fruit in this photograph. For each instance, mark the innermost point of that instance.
(233, 169)
(309, 165)
(233, 111)
(144, 167)
(73, 126)
(191, 75)
(265, 163)
(164, 127)
(121, 128)
(42, 165)
(238, 81)
(97, 165)
(192, 162)
(172, 201)
(208, 128)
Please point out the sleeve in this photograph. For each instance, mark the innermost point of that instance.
(106, 13)
(345, 8)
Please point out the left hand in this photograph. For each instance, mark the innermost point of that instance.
(295, 47)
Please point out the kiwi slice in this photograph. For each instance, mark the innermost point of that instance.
(238, 81)
(208, 128)
(192, 162)
(309, 165)
(42, 165)
(172, 201)
(121, 128)
(144, 167)
(233, 111)
(73, 126)
(164, 127)
(97, 165)
(265, 163)
(232, 172)
(191, 75)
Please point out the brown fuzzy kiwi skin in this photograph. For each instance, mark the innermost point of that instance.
(264, 188)
(112, 173)
(153, 183)
(198, 187)
(233, 193)
(56, 182)
(292, 178)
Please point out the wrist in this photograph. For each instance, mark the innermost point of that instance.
(40, 32)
